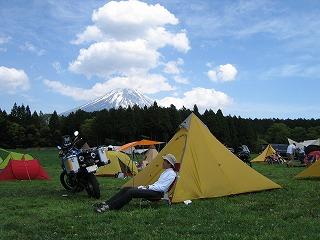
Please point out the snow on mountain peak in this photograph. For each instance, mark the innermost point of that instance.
(123, 97)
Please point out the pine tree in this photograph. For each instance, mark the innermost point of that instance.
(54, 127)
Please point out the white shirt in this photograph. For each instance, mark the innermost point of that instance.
(165, 180)
(291, 148)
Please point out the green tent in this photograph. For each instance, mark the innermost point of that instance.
(6, 156)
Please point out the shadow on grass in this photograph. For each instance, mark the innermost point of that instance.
(308, 179)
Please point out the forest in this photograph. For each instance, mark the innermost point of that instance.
(23, 129)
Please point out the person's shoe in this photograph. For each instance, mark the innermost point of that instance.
(99, 204)
(102, 208)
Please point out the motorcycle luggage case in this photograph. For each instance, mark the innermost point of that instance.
(71, 164)
(103, 156)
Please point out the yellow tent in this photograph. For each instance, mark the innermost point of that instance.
(268, 151)
(119, 163)
(312, 171)
(151, 154)
(207, 168)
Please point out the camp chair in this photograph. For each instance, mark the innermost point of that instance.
(167, 196)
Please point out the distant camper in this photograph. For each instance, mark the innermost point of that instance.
(290, 153)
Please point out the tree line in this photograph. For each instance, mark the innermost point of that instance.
(21, 128)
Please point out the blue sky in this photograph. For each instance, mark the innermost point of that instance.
(248, 58)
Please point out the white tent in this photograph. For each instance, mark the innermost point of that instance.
(311, 142)
(299, 145)
(305, 143)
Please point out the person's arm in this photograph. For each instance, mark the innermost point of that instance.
(164, 182)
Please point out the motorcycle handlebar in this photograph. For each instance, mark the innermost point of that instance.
(76, 140)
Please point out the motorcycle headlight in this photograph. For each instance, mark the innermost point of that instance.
(93, 155)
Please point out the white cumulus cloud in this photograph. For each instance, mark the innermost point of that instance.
(126, 37)
(123, 47)
(202, 97)
(13, 80)
(160, 37)
(126, 20)
(148, 84)
(180, 79)
(107, 58)
(223, 73)
(92, 33)
(173, 67)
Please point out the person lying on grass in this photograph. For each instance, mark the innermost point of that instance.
(151, 192)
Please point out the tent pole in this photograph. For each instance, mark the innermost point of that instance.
(24, 161)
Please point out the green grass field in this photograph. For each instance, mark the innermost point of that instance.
(38, 210)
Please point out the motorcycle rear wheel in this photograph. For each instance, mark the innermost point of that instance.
(92, 186)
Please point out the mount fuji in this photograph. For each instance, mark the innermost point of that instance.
(123, 97)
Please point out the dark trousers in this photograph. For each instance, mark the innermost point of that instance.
(125, 195)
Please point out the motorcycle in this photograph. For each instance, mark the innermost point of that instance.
(243, 153)
(79, 165)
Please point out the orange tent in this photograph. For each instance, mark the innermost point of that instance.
(142, 142)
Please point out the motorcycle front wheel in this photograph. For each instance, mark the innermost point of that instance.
(70, 184)
(65, 181)
(92, 186)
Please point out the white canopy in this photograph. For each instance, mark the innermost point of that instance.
(305, 143)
